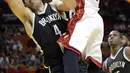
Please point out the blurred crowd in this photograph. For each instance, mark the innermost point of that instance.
(117, 10)
(13, 56)
(116, 15)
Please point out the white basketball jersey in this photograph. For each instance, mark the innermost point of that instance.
(92, 4)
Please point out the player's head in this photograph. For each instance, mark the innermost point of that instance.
(125, 39)
(34, 5)
(114, 38)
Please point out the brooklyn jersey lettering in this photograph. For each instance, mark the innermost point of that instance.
(118, 64)
(49, 19)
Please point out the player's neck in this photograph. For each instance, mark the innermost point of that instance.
(115, 49)
(41, 8)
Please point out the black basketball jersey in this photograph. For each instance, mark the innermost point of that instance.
(118, 64)
(47, 28)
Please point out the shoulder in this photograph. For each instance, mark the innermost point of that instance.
(28, 12)
(104, 67)
(127, 53)
(28, 16)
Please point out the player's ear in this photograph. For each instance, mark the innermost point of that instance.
(121, 40)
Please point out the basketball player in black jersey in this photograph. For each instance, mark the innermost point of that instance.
(44, 25)
(119, 60)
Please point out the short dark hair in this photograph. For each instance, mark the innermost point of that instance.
(119, 33)
(126, 35)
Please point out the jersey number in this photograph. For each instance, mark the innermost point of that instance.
(56, 29)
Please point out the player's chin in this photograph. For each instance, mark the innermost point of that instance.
(110, 43)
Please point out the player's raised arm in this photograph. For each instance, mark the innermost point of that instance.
(65, 5)
(18, 8)
(23, 13)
